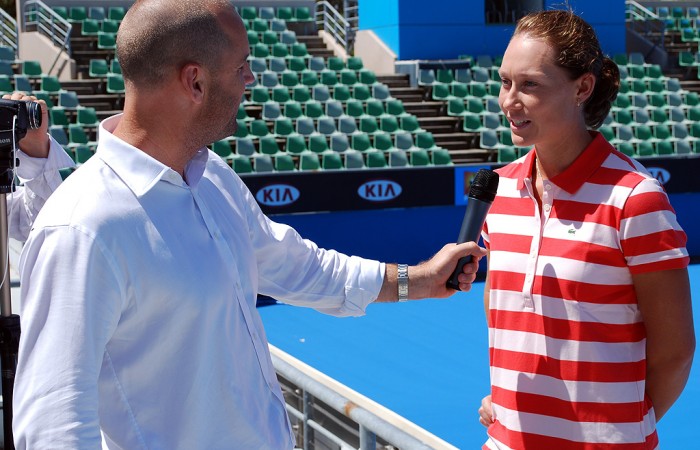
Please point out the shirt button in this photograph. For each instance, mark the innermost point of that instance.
(548, 186)
(547, 207)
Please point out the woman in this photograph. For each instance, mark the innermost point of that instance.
(587, 295)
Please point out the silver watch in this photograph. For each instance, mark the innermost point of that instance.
(402, 278)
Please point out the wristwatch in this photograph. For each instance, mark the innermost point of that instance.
(402, 278)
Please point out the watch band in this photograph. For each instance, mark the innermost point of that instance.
(402, 277)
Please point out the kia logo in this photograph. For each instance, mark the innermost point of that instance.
(660, 174)
(379, 190)
(277, 195)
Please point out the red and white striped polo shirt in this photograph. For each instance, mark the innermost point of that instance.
(566, 338)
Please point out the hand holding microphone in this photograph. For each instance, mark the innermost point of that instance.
(481, 194)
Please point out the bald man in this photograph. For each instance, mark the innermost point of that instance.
(140, 278)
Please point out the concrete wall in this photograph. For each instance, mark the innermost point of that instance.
(375, 54)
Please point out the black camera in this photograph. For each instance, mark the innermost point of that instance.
(16, 117)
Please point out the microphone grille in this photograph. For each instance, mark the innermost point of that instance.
(484, 185)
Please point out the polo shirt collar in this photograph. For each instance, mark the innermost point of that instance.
(578, 172)
(139, 171)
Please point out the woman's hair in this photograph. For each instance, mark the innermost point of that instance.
(578, 52)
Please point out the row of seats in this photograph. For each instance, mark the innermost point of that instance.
(285, 13)
(356, 109)
(320, 143)
(299, 64)
(350, 160)
(77, 14)
(320, 92)
(346, 125)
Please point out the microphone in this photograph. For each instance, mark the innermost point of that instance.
(481, 195)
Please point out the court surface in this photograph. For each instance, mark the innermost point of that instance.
(428, 361)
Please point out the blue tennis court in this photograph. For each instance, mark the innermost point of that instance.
(428, 361)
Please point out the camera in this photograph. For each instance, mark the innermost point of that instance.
(16, 117)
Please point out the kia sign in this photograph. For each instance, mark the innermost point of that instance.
(277, 195)
(379, 190)
(662, 175)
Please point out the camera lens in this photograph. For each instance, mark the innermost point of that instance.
(34, 114)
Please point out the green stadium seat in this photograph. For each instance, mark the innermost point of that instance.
(296, 144)
(302, 14)
(258, 127)
(6, 85)
(331, 161)
(109, 26)
(383, 141)
(98, 68)
(419, 158)
(342, 93)
(309, 161)
(32, 68)
(355, 108)
(441, 157)
(285, 13)
(293, 110)
(283, 127)
(318, 143)
(82, 153)
(626, 148)
(58, 117)
(77, 13)
(313, 109)
(375, 159)
(116, 13)
(222, 148)
(241, 164)
(62, 11)
(106, 41)
(267, 145)
(248, 12)
(360, 142)
(115, 83)
(86, 116)
(284, 163)
(301, 94)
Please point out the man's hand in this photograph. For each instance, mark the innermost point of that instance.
(36, 142)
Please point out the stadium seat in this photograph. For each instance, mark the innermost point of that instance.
(331, 161)
(353, 160)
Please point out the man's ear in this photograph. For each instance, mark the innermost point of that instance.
(193, 80)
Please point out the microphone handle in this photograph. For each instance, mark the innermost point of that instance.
(472, 225)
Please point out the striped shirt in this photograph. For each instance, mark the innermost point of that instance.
(566, 338)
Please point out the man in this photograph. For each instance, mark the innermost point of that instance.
(40, 160)
(140, 278)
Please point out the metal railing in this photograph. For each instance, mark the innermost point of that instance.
(325, 418)
(8, 31)
(39, 17)
(329, 19)
(637, 11)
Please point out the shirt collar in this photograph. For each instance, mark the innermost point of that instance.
(139, 170)
(579, 171)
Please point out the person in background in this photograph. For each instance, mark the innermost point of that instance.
(40, 159)
(139, 280)
(587, 295)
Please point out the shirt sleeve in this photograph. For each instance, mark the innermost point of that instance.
(71, 304)
(296, 271)
(39, 177)
(650, 236)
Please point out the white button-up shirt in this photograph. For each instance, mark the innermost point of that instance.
(138, 308)
(40, 177)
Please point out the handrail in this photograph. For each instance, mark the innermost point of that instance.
(316, 391)
(8, 33)
(40, 17)
(639, 11)
(329, 19)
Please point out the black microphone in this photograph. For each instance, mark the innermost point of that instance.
(481, 195)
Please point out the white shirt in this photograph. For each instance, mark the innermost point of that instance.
(40, 177)
(138, 308)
